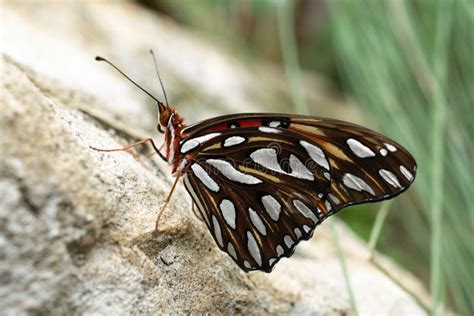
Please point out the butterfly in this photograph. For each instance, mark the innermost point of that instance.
(263, 182)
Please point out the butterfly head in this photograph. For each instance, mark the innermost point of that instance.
(164, 115)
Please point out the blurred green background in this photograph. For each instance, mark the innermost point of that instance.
(409, 66)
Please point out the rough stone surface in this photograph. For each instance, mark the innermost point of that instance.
(77, 226)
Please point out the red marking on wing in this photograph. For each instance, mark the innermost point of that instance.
(219, 127)
(250, 123)
(243, 123)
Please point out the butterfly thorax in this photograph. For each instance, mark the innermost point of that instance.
(173, 137)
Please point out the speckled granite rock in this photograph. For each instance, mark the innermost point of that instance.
(77, 226)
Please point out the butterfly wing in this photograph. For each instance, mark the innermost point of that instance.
(264, 182)
(258, 201)
(365, 165)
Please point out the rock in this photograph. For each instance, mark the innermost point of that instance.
(77, 226)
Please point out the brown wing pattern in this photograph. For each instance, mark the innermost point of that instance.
(365, 165)
(303, 168)
(264, 208)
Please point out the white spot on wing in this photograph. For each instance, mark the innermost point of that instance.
(231, 173)
(288, 241)
(257, 222)
(266, 129)
(280, 251)
(390, 147)
(271, 261)
(217, 231)
(334, 199)
(247, 264)
(406, 173)
(231, 251)
(233, 140)
(253, 248)
(267, 157)
(306, 211)
(359, 149)
(274, 124)
(228, 212)
(306, 228)
(190, 188)
(316, 153)
(383, 152)
(299, 170)
(390, 178)
(204, 177)
(298, 233)
(272, 207)
(353, 182)
(328, 205)
(192, 143)
(320, 213)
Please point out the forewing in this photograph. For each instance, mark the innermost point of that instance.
(365, 165)
(243, 168)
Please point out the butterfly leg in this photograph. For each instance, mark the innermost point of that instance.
(143, 141)
(168, 198)
(159, 151)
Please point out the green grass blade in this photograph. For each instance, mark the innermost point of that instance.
(378, 224)
(285, 11)
(409, 63)
(345, 271)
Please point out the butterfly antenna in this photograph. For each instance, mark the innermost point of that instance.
(98, 58)
(159, 77)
